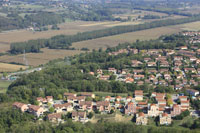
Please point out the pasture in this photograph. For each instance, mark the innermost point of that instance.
(3, 86)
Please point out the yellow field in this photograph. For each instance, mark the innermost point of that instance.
(4, 67)
(35, 59)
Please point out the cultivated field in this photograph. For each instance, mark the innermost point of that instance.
(112, 41)
(35, 59)
(4, 67)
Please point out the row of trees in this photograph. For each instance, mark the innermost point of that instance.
(65, 41)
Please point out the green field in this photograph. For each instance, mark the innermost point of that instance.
(3, 86)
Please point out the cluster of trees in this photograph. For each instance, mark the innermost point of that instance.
(65, 41)
(14, 21)
(151, 17)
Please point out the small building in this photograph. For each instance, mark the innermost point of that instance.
(60, 108)
(130, 108)
(138, 95)
(88, 94)
(165, 119)
(55, 117)
(86, 106)
(153, 110)
(79, 116)
(176, 110)
(21, 106)
(103, 106)
(141, 119)
(36, 110)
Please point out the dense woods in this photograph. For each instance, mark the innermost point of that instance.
(14, 21)
(65, 41)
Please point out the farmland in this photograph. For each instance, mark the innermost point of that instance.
(4, 67)
(69, 28)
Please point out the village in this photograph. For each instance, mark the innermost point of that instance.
(178, 69)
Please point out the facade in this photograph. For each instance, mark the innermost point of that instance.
(79, 116)
(165, 119)
(55, 118)
(130, 108)
(141, 119)
(153, 110)
(176, 110)
(36, 110)
(138, 95)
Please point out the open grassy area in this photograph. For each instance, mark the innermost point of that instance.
(195, 26)
(3, 86)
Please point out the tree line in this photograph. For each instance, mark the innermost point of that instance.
(65, 41)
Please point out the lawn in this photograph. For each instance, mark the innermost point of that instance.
(3, 86)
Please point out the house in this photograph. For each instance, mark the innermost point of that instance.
(60, 108)
(193, 92)
(129, 99)
(86, 106)
(118, 98)
(88, 94)
(49, 99)
(151, 64)
(103, 106)
(176, 110)
(80, 98)
(41, 100)
(79, 116)
(107, 98)
(113, 70)
(130, 108)
(138, 76)
(165, 119)
(104, 77)
(185, 105)
(71, 99)
(55, 117)
(36, 110)
(138, 95)
(129, 80)
(69, 94)
(153, 110)
(136, 63)
(21, 106)
(141, 119)
(99, 71)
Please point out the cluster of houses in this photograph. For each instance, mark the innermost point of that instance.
(176, 68)
(79, 107)
(194, 36)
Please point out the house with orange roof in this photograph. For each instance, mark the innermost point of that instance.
(118, 98)
(138, 95)
(165, 119)
(21, 106)
(36, 110)
(129, 99)
(66, 107)
(86, 106)
(103, 106)
(130, 108)
(141, 119)
(55, 117)
(153, 110)
(176, 110)
(79, 116)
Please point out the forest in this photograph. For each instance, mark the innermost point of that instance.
(65, 41)
(14, 21)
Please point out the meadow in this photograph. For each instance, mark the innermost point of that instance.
(3, 86)
(4, 67)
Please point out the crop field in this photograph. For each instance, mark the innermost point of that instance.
(195, 26)
(35, 59)
(112, 41)
(4, 67)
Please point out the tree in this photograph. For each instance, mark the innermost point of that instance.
(90, 115)
(51, 109)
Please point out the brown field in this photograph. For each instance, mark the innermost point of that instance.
(35, 59)
(4, 67)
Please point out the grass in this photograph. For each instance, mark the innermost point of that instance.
(4, 85)
(195, 26)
